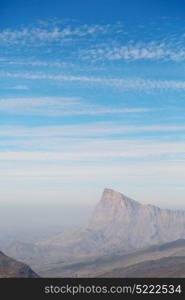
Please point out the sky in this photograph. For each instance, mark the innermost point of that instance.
(92, 97)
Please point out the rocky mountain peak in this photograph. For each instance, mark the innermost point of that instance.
(112, 208)
(115, 198)
(124, 221)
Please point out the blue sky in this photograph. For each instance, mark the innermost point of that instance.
(92, 96)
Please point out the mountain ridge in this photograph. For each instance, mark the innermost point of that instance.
(139, 225)
(11, 268)
(109, 193)
(118, 263)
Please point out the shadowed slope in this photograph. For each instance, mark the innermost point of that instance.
(12, 268)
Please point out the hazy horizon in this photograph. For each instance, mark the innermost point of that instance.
(31, 221)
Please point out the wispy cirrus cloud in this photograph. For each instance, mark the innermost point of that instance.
(154, 50)
(60, 106)
(92, 150)
(124, 83)
(34, 63)
(91, 129)
(115, 47)
(51, 32)
(20, 87)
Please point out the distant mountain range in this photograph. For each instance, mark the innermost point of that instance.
(169, 267)
(165, 260)
(11, 268)
(118, 224)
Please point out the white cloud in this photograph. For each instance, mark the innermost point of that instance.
(35, 63)
(123, 83)
(98, 149)
(53, 33)
(56, 106)
(20, 87)
(145, 181)
(107, 40)
(139, 51)
(95, 129)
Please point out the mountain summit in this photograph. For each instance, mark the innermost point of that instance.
(114, 197)
(111, 210)
(127, 223)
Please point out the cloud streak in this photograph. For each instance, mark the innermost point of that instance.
(122, 83)
(103, 151)
(60, 106)
(95, 129)
(20, 87)
(139, 51)
(52, 33)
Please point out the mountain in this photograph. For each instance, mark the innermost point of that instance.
(128, 224)
(12, 268)
(165, 260)
(168, 267)
(135, 263)
(118, 223)
(21, 250)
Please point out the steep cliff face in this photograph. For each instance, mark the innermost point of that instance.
(129, 224)
(113, 209)
(12, 268)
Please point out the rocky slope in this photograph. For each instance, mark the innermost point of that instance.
(168, 267)
(119, 264)
(12, 268)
